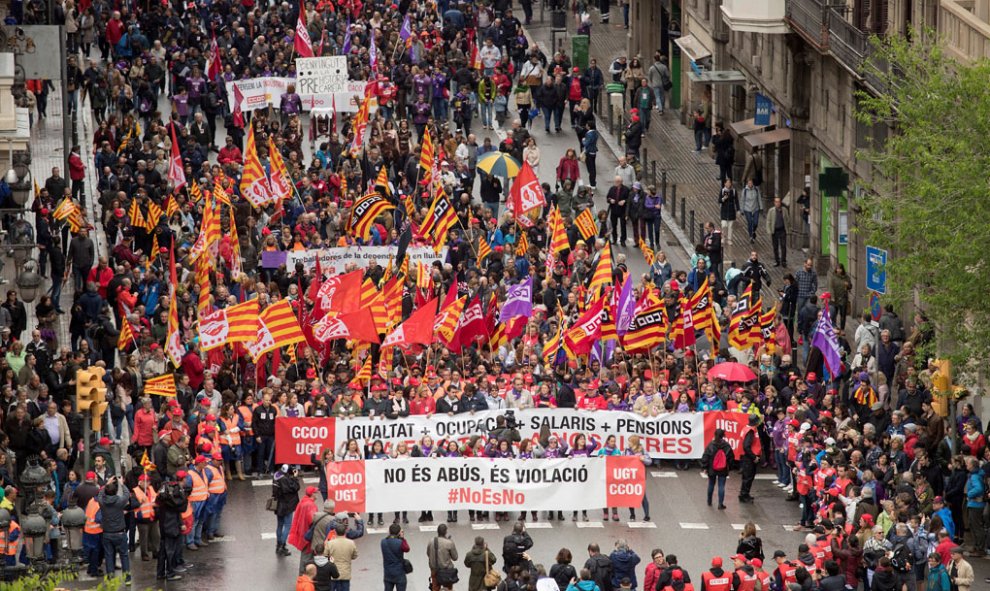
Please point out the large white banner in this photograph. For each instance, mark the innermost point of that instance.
(498, 485)
(321, 75)
(259, 93)
(674, 435)
(333, 260)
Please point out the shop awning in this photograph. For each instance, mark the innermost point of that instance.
(692, 48)
(768, 137)
(718, 77)
(745, 127)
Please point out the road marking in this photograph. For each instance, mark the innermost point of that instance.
(766, 477)
(642, 525)
(665, 474)
(268, 535)
(790, 527)
(376, 530)
(693, 525)
(427, 528)
(703, 475)
(485, 526)
(228, 539)
(538, 525)
(587, 524)
(740, 526)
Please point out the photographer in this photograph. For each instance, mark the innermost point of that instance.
(394, 548)
(285, 491)
(113, 500)
(506, 427)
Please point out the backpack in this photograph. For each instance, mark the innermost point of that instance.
(720, 461)
(901, 557)
(601, 572)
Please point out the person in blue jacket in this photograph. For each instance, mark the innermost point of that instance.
(624, 562)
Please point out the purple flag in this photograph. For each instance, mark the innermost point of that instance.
(519, 301)
(373, 55)
(626, 308)
(347, 39)
(406, 31)
(607, 348)
(827, 342)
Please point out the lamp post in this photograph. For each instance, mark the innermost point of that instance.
(19, 178)
(29, 282)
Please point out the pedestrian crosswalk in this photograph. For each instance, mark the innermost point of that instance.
(268, 482)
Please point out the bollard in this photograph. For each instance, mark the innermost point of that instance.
(673, 200)
(610, 116)
(701, 231)
(692, 226)
(645, 159)
(683, 208)
(663, 184)
(654, 177)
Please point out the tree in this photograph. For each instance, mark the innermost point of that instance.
(930, 200)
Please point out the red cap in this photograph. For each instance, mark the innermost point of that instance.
(211, 417)
(737, 557)
(414, 382)
(717, 561)
(180, 474)
(812, 376)
(217, 455)
(757, 563)
(311, 374)
(143, 478)
(204, 402)
(44, 211)
(177, 412)
(867, 519)
(576, 69)
(119, 213)
(311, 490)
(90, 475)
(794, 423)
(206, 447)
(355, 385)
(266, 231)
(172, 402)
(104, 441)
(154, 346)
(791, 410)
(200, 460)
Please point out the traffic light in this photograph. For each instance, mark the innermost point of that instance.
(91, 395)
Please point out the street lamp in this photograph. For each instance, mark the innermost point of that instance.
(19, 178)
(29, 281)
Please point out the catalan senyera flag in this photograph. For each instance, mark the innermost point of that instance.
(648, 328)
(427, 159)
(281, 184)
(392, 295)
(648, 253)
(585, 222)
(682, 331)
(195, 192)
(171, 206)
(586, 330)
(365, 211)
(522, 246)
(440, 218)
(744, 321)
(134, 213)
(446, 321)
(603, 271)
(126, 338)
(558, 236)
(163, 385)
(372, 299)
(153, 217)
(553, 344)
(173, 338)
(254, 181)
(767, 332)
(277, 327)
(484, 249)
(203, 281)
(382, 181)
(703, 313)
(220, 195)
(424, 277)
(360, 124)
(71, 213)
(236, 324)
(364, 374)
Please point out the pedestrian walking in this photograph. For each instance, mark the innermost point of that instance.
(751, 204)
(394, 547)
(114, 502)
(717, 460)
(302, 522)
(285, 490)
(752, 452)
(728, 201)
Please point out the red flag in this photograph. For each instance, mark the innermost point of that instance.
(417, 329)
(341, 293)
(302, 43)
(526, 195)
(214, 68)
(236, 113)
(176, 172)
(471, 326)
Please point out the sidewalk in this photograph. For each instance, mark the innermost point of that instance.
(669, 148)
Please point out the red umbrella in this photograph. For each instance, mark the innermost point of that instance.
(731, 371)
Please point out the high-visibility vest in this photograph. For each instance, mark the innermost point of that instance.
(747, 582)
(92, 526)
(764, 578)
(217, 485)
(11, 548)
(199, 492)
(146, 503)
(757, 446)
(687, 587)
(787, 570)
(713, 583)
(187, 519)
(230, 437)
(248, 415)
(793, 442)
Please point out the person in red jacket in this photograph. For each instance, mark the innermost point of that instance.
(192, 365)
(101, 275)
(77, 174)
(230, 153)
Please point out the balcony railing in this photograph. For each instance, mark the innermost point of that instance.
(966, 35)
(809, 17)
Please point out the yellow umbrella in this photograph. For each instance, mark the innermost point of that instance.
(499, 164)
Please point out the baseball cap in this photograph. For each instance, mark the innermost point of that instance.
(180, 474)
(780, 554)
(677, 575)
(738, 557)
(310, 491)
(200, 460)
(756, 562)
(90, 475)
(717, 561)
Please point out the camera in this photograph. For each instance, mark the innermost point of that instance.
(511, 422)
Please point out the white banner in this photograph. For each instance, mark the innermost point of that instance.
(259, 93)
(333, 260)
(675, 435)
(499, 485)
(321, 75)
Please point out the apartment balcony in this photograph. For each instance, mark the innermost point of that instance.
(963, 24)
(826, 29)
(747, 16)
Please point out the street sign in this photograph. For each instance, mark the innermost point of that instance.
(876, 269)
(763, 108)
(875, 310)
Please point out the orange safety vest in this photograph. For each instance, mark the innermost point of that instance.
(11, 548)
(146, 502)
(92, 526)
(229, 438)
(713, 583)
(248, 415)
(757, 446)
(764, 578)
(821, 476)
(787, 570)
(187, 519)
(793, 442)
(747, 582)
(199, 492)
(217, 485)
(687, 587)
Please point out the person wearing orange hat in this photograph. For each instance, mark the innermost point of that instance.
(198, 481)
